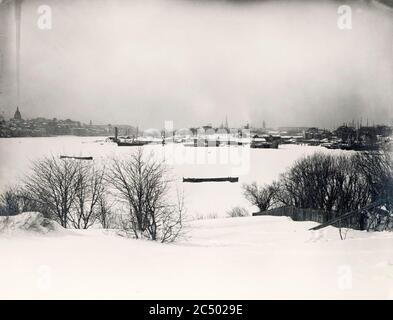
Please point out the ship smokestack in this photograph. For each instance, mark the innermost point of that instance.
(116, 134)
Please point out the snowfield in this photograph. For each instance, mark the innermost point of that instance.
(229, 258)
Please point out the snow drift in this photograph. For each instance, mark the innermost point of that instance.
(33, 222)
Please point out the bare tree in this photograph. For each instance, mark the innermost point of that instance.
(143, 184)
(324, 182)
(89, 196)
(377, 170)
(53, 185)
(309, 183)
(106, 215)
(262, 197)
(172, 220)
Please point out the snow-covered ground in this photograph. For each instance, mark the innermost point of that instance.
(233, 258)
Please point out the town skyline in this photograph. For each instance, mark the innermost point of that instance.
(18, 126)
(354, 122)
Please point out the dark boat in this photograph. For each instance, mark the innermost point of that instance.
(365, 147)
(332, 146)
(134, 143)
(345, 146)
(264, 145)
(76, 158)
(359, 147)
(224, 179)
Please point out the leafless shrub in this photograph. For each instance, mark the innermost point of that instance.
(9, 203)
(325, 182)
(377, 170)
(89, 198)
(237, 212)
(142, 183)
(262, 197)
(308, 184)
(209, 216)
(16, 200)
(66, 190)
(54, 184)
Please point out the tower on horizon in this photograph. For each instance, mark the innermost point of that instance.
(17, 115)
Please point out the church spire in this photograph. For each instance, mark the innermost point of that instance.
(17, 115)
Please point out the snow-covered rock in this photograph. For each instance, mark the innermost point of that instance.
(34, 222)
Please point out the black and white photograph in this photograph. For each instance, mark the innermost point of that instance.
(196, 150)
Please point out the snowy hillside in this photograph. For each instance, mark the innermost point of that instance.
(237, 258)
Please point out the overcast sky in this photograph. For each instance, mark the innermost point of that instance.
(142, 62)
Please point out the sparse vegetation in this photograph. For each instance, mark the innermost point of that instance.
(209, 216)
(74, 193)
(263, 197)
(237, 212)
(16, 200)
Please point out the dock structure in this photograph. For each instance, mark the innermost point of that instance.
(372, 216)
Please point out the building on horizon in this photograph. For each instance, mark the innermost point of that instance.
(17, 114)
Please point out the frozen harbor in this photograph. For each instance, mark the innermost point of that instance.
(201, 200)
